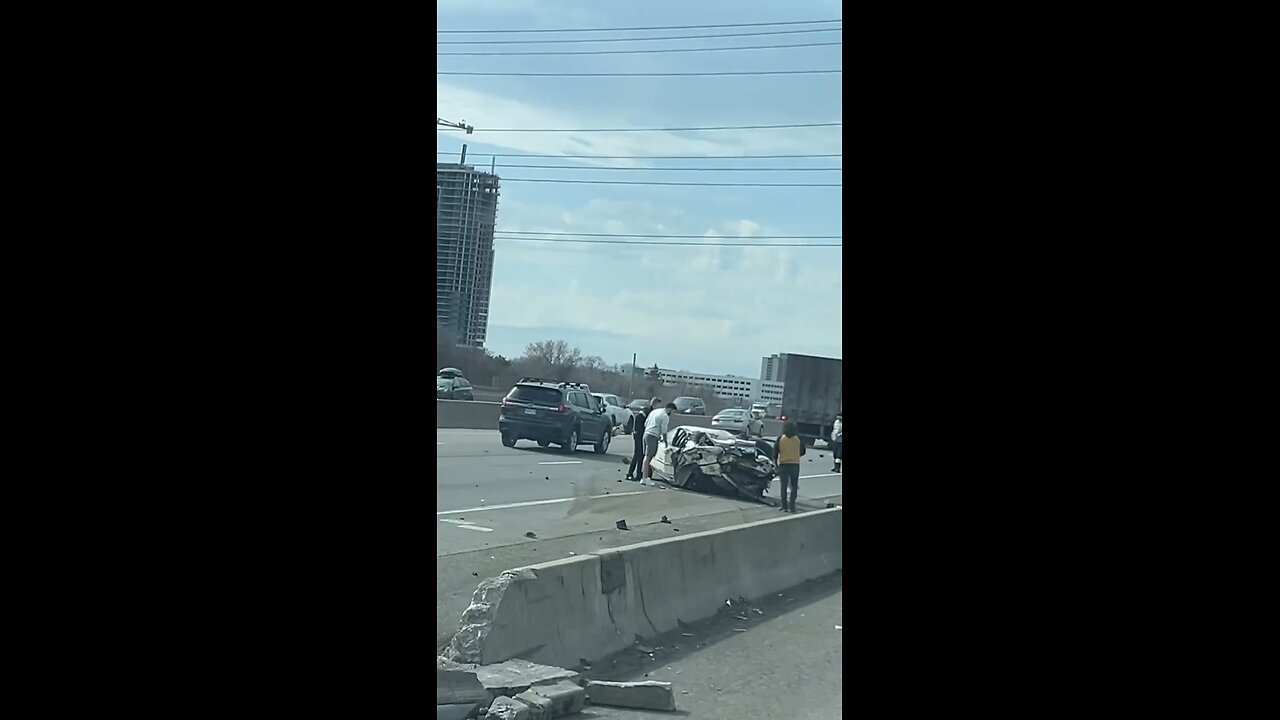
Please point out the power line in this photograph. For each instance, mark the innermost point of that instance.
(645, 157)
(673, 169)
(645, 51)
(645, 74)
(635, 39)
(651, 242)
(646, 182)
(629, 29)
(669, 129)
(644, 235)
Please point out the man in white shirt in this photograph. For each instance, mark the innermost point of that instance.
(655, 431)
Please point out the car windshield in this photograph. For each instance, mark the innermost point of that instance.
(444, 383)
(535, 395)
(685, 403)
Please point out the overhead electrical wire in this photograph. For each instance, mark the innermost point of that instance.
(647, 182)
(635, 39)
(671, 169)
(644, 51)
(645, 157)
(630, 29)
(654, 242)
(668, 129)
(645, 235)
(644, 74)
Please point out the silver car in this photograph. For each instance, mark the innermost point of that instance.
(738, 420)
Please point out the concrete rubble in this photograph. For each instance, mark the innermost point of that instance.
(540, 708)
(516, 676)
(504, 708)
(566, 698)
(468, 643)
(459, 694)
(645, 695)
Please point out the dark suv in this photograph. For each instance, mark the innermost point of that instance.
(690, 406)
(566, 414)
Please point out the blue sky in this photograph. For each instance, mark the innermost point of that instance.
(705, 309)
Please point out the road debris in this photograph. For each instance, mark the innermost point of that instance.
(646, 695)
(830, 504)
(665, 520)
(840, 627)
(530, 534)
(621, 525)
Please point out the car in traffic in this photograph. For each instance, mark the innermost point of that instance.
(766, 409)
(738, 420)
(453, 387)
(559, 413)
(638, 405)
(690, 406)
(613, 408)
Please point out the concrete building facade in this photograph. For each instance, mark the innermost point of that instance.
(466, 211)
(729, 387)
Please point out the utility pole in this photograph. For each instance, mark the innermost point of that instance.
(460, 125)
(631, 382)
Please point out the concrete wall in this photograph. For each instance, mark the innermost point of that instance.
(478, 415)
(467, 414)
(593, 605)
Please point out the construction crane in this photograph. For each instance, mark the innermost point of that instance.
(460, 125)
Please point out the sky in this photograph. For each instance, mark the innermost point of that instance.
(706, 309)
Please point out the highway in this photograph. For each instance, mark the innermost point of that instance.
(786, 663)
(489, 496)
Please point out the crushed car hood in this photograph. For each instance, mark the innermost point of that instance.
(716, 461)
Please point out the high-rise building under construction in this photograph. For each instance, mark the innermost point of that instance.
(466, 209)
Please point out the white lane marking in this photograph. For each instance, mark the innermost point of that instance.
(802, 477)
(466, 525)
(562, 462)
(531, 503)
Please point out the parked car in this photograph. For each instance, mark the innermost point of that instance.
(613, 408)
(736, 420)
(638, 405)
(454, 387)
(566, 414)
(690, 406)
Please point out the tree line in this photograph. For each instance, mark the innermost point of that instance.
(558, 361)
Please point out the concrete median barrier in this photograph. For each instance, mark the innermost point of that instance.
(467, 414)
(593, 605)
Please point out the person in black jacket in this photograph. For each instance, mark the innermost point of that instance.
(637, 422)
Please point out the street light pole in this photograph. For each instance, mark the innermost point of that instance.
(631, 382)
(460, 125)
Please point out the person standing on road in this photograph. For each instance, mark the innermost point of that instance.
(786, 453)
(655, 431)
(637, 431)
(837, 438)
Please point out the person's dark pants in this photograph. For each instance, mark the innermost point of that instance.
(835, 453)
(637, 460)
(789, 475)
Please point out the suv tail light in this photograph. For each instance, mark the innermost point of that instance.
(783, 417)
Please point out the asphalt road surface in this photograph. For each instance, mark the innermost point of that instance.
(489, 496)
(784, 663)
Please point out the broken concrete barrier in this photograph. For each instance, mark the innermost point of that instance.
(458, 687)
(646, 695)
(516, 676)
(540, 708)
(566, 698)
(504, 708)
(590, 606)
(467, 644)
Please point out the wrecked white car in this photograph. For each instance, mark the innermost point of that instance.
(715, 461)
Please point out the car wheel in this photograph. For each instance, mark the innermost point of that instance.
(508, 441)
(571, 444)
(543, 443)
(603, 445)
